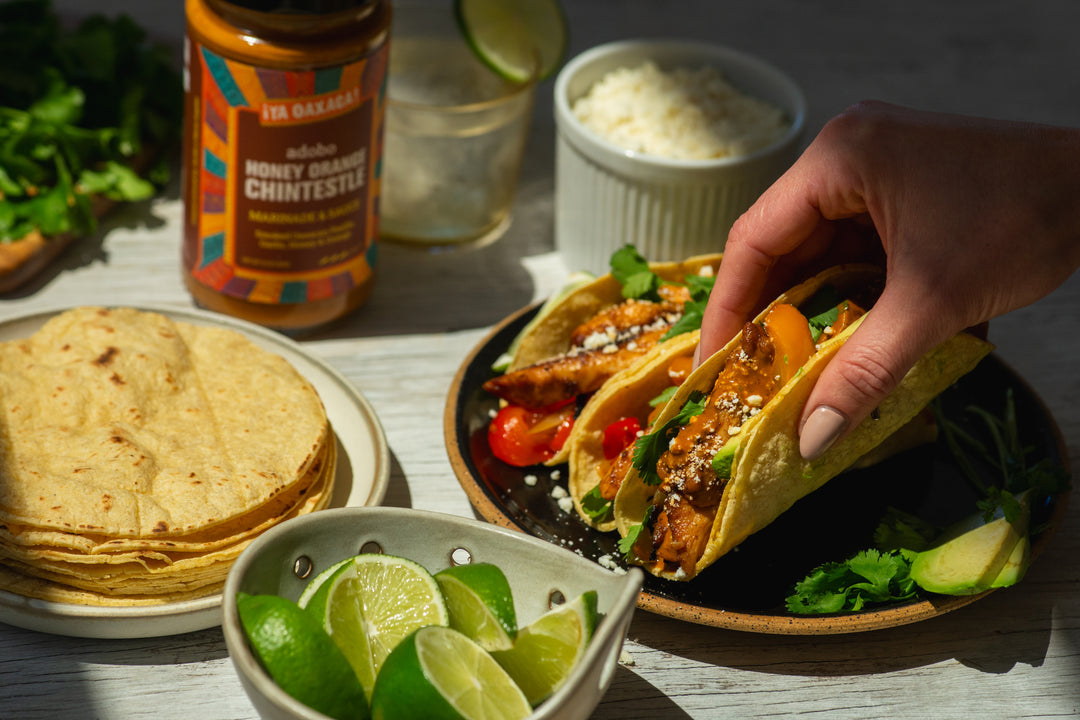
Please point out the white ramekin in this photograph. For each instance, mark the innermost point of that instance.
(606, 197)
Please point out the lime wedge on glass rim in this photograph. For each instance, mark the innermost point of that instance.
(372, 602)
(438, 673)
(546, 650)
(480, 603)
(518, 39)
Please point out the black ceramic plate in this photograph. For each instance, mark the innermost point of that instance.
(745, 589)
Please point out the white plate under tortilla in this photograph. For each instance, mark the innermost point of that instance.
(363, 473)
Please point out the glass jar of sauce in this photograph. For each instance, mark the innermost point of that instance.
(283, 118)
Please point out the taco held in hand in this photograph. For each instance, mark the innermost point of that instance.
(595, 332)
(724, 462)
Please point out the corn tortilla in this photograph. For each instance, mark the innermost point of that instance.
(153, 428)
(139, 456)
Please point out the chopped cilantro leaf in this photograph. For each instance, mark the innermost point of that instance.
(688, 322)
(819, 322)
(649, 447)
(633, 273)
(664, 396)
(822, 310)
(700, 286)
(642, 286)
(626, 543)
(694, 310)
(627, 261)
(595, 506)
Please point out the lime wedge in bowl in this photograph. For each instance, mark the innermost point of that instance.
(518, 39)
(438, 673)
(371, 603)
(480, 604)
(546, 651)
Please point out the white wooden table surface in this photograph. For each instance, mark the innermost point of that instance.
(1015, 654)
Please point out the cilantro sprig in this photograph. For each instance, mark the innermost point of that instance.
(77, 106)
(870, 577)
(640, 282)
(694, 309)
(633, 273)
(822, 310)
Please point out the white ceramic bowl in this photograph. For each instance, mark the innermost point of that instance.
(606, 196)
(534, 568)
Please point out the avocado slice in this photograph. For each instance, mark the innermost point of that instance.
(724, 457)
(1015, 566)
(974, 555)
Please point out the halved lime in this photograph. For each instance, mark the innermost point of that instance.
(371, 603)
(300, 657)
(515, 37)
(480, 604)
(546, 651)
(437, 673)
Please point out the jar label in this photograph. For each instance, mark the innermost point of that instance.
(282, 183)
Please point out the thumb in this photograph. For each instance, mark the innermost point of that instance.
(867, 368)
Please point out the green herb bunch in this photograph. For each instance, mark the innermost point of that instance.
(78, 106)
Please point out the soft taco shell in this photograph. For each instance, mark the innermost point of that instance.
(550, 337)
(768, 474)
(626, 394)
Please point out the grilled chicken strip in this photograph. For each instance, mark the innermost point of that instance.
(602, 346)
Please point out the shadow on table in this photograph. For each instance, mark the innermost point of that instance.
(636, 696)
(68, 691)
(397, 492)
(993, 635)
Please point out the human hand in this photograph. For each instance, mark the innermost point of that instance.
(973, 217)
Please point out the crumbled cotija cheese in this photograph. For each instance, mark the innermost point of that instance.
(683, 114)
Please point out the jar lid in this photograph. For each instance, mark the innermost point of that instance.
(300, 7)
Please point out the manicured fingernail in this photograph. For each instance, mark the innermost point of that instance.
(820, 431)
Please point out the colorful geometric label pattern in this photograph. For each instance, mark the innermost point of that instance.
(228, 84)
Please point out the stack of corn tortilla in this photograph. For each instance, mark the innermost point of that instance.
(139, 456)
